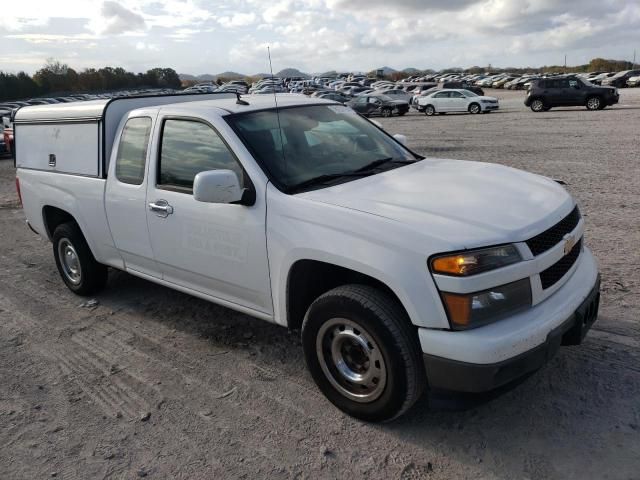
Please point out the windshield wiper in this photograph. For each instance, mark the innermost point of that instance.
(383, 161)
(325, 179)
(365, 171)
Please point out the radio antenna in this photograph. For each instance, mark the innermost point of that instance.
(275, 99)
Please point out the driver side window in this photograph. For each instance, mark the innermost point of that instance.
(188, 148)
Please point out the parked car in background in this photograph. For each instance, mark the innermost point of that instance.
(619, 80)
(634, 81)
(463, 86)
(397, 94)
(423, 93)
(377, 104)
(597, 80)
(335, 96)
(7, 136)
(449, 101)
(547, 93)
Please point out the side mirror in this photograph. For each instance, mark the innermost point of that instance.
(217, 186)
(401, 139)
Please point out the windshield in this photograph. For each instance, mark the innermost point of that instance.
(309, 142)
(468, 93)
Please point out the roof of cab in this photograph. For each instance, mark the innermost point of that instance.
(95, 109)
(255, 102)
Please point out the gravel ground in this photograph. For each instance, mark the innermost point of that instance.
(153, 383)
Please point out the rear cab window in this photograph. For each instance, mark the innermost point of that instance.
(132, 151)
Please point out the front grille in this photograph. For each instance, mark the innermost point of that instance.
(554, 235)
(556, 271)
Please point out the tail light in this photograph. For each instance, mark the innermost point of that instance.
(18, 190)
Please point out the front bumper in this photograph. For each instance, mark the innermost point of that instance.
(447, 374)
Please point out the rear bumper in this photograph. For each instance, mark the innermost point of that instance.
(453, 375)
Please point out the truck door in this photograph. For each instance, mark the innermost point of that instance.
(213, 248)
(125, 197)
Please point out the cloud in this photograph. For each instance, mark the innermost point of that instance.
(238, 20)
(201, 36)
(118, 19)
(38, 38)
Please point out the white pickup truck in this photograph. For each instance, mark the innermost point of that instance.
(402, 272)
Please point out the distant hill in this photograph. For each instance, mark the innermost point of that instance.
(387, 70)
(291, 72)
(411, 71)
(207, 77)
(287, 72)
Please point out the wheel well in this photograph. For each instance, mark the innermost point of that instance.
(308, 279)
(53, 217)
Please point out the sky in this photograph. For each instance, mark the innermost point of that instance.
(198, 36)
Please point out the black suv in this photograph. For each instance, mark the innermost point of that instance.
(546, 93)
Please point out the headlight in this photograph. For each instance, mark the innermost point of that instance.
(473, 262)
(477, 309)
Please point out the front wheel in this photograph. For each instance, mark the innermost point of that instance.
(78, 268)
(474, 108)
(429, 110)
(363, 352)
(594, 103)
(538, 105)
(387, 112)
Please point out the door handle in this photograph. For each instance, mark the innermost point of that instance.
(161, 208)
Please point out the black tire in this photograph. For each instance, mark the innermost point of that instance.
(538, 105)
(89, 276)
(594, 103)
(475, 108)
(429, 110)
(400, 114)
(387, 112)
(381, 323)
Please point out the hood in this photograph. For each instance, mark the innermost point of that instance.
(465, 204)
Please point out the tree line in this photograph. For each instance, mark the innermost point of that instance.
(56, 78)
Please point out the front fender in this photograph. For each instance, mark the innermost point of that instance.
(294, 233)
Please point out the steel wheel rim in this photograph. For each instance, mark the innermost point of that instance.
(351, 360)
(430, 110)
(593, 103)
(69, 261)
(538, 105)
(475, 108)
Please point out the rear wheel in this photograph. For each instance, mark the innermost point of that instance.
(78, 268)
(363, 352)
(474, 108)
(594, 103)
(538, 105)
(429, 110)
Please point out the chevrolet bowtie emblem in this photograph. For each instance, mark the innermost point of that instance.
(569, 243)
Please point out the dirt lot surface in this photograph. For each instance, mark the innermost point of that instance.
(153, 383)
